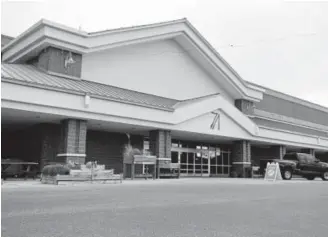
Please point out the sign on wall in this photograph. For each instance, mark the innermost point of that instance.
(216, 120)
(272, 172)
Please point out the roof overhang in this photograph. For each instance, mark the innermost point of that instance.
(45, 33)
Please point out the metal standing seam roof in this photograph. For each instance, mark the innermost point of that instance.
(30, 75)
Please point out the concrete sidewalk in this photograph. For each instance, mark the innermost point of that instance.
(27, 184)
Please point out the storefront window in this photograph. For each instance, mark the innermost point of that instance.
(200, 158)
(175, 157)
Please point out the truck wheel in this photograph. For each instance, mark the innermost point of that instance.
(324, 176)
(309, 177)
(287, 174)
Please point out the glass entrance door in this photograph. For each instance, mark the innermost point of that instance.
(201, 160)
(226, 165)
(187, 163)
(194, 163)
(220, 163)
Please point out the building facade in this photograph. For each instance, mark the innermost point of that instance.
(72, 95)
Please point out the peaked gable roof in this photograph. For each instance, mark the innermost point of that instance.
(5, 39)
(45, 33)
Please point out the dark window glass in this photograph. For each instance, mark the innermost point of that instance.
(302, 158)
(290, 157)
(174, 157)
(190, 158)
(183, 157)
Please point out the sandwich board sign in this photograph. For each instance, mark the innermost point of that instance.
(272, 172)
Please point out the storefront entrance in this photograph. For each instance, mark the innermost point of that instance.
(201, 160)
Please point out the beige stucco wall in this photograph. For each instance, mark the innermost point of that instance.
(160, 68)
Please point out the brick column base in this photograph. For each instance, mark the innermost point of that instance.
(73, 141)
(160, 143)
(241, 159)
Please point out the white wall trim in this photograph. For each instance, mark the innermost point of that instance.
(71, 154)
(40, 101)
(290, 132)
(241, 163)
(151, 125)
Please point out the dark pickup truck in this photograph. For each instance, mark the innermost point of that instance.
(301, 164)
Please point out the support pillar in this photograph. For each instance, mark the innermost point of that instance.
(73, 141)
(160, 145)
(241, 159)
(279, 151)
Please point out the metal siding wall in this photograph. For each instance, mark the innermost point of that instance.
(289, 127)
(287, 108)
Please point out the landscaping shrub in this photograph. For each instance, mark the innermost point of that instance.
(53, 170)
(89, 165)
(73, 166)
(129, 151)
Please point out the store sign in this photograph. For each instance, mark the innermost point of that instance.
(216, 121)
(205, 154)
(272, 172)
(212, 154)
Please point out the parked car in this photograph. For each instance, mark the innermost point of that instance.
(305, 165)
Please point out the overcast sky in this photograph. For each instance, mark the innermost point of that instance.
(278, 44)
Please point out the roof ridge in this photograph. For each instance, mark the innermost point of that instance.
(136, 26)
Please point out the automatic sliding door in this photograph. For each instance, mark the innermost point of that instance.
(183, 162)
(226, 163)
(198, 164)
(191, 163)
(217, 163)
(187, 163)
(205, 162)
(213, 166)
(219, 159)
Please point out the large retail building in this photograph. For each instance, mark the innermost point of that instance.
(72, 95)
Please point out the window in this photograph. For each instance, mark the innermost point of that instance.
(146, 150)
(309, 158)
(292, 156)
(305, 158)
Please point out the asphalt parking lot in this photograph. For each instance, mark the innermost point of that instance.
(185, 207)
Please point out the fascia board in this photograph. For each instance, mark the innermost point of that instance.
(90, 43)
(132, 41)
(22, 45)
(22, 36)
